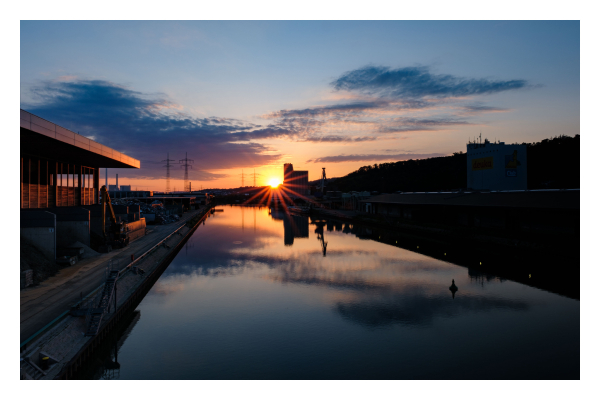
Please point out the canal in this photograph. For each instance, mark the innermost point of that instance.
(260, 294)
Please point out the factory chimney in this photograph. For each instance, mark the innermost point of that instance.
(117, 183)
(106, 178)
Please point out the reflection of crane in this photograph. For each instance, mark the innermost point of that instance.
(321, 236)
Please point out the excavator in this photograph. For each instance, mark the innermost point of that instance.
(115, 236)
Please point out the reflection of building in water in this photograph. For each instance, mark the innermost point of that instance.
(347, 229)
(294, 226)
(482, 277)
(329, 226)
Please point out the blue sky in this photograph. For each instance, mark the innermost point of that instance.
(252, 95)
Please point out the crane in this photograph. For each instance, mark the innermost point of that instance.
(115, 235)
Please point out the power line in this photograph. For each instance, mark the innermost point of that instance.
(185, 166)
(255, 175)
(168, 167)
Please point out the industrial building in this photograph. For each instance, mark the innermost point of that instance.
(351, 200)
(296, 182)
(122, 193)
(60, 173)
(496, 166)
(535, 210)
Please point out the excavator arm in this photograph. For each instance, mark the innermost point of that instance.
(118, 238)
(105, 201)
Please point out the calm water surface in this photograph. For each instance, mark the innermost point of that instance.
(257, 294)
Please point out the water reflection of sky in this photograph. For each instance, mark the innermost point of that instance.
(252, 296)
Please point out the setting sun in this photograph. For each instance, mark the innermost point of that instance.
(274, 182)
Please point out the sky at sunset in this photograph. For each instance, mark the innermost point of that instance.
(253, 95)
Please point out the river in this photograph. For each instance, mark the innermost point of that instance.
(260, 294)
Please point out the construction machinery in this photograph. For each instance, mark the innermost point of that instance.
(115, 235)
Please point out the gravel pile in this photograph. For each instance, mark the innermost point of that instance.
(88, 252)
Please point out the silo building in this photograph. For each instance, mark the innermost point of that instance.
(295, 182)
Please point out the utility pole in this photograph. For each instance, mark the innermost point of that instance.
(323, 178)
(168, 167)
(185, 165)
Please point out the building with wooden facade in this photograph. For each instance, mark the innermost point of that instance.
(60, 168)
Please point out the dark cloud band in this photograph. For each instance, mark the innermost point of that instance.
(418, 82)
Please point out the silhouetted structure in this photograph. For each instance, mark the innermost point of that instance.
(453, 288)
(295, 181)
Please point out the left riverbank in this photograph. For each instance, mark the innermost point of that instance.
(58, 350)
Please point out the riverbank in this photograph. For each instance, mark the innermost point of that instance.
(546, 260)
(65, 342)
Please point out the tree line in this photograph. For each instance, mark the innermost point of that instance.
(551, 164)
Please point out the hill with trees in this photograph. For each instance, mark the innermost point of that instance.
(551, 164)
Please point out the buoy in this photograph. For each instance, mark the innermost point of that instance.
(453, 288)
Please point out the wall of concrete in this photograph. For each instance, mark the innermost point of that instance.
(68, 232)
(72, 224)
(39, 227)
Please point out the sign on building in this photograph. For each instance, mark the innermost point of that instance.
(496, 166)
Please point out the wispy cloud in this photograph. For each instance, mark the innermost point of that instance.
(418, 82)
(479, 109)
(373, 157)
(333, 138)
(420, 124)
(389, 101)
(148, 126)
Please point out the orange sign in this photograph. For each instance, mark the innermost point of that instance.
(482, 163)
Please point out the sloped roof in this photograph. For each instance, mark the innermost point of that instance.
(44, 139)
